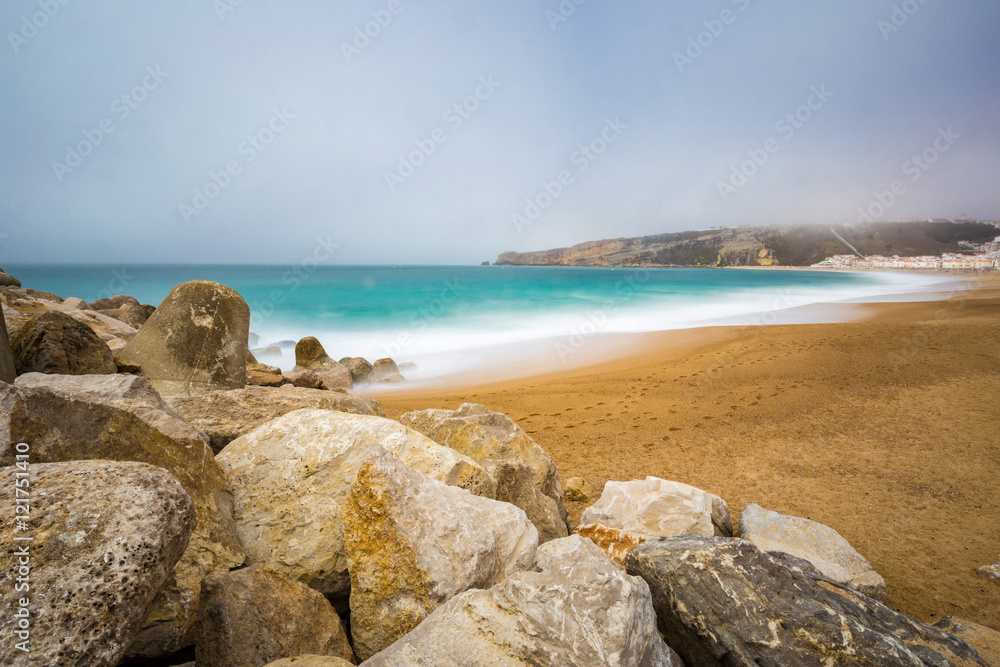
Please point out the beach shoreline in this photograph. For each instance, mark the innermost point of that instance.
(843, 423)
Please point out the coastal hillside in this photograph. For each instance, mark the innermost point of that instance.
(792, 245)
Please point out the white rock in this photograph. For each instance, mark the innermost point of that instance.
(413, 543)
(290, 476)
(821, 545)
(654, 508)
(574, 608)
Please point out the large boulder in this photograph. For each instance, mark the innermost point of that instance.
(104, 537)
(196, 341)
(515, 485)
(481, 434)
(290, 478)
(309, 351)
(654, 507)
(226, 415)
(7, 369)
(253, 616)
(724, 601)
(121, 418)
(821, 545)
(300, 377)
(573, 608)
(310, 355)
(54, 342)
(263, 375)
(413, 543)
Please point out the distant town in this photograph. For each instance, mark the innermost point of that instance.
(980, 257)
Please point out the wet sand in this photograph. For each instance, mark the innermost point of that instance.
(886, 428)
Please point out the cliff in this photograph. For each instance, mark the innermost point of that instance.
(792, 245)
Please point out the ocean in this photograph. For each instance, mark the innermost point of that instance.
(450, 319)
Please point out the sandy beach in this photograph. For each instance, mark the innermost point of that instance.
(884, 427)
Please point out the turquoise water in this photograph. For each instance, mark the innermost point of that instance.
(448, 317)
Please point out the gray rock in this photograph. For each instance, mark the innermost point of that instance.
(990, 571)
(724, 601)
(291, 476)
(384, 368)
(573, 608)
(105, 537)
(8, 371)
(7, 280)
(821, 545)
(985, 640)
(196, 341)
(121, 418)
(359, 367)
(226, 415)
(515, 485)
(300, 377)
(481, 434)
(254, 616)
(54, 342)
(413, 543)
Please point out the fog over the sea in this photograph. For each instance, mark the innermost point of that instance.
(231, 131)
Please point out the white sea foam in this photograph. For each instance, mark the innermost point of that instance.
(455, 344)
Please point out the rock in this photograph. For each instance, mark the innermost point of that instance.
(310, 661)
(290, 478)
(76, 303)
(250, 358)
(253, 340)
(117, 345)
(267, 352)
(821, 545)
(310, 355)
(121, 418)
(104, 538)
(480, 434)
(300, 377)
(107, 328)
(148, 310)
(990, 571)
(724, 601)
(131, 314)
(54, 342)
(255, 615)
(574, 608)
(333, 375)
(395, 378)
(413, 543)
(985, 640)
(102, 304)
(196, 341)
(125, 367)
(262, 375)
(309, 351)
(7, 280)
(226, 415)
(515, 485)
(408, 366)
(359, 367)
(578, 490)
(122, 300)
(8, 371)
(383, 368)
(615, 543)
(657, 508)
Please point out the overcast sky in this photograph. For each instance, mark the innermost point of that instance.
(119, 121)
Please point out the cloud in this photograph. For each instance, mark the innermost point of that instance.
(364, 86)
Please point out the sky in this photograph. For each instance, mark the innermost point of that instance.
(447, 132)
